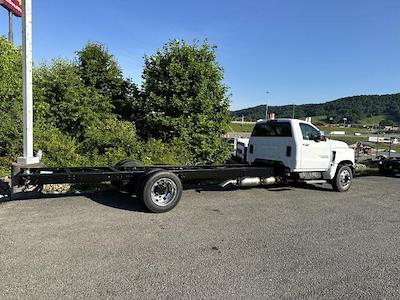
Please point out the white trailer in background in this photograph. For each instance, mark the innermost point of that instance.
(338, 133)
(381, 139)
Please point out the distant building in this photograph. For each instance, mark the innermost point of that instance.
(390, 128)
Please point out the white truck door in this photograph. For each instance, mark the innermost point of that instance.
(314, 155)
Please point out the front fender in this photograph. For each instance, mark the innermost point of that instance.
(343, 156)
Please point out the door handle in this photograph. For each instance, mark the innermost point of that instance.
(306, 144)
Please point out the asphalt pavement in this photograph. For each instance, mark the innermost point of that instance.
(287, 242)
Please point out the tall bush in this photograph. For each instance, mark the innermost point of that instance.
(184, 98)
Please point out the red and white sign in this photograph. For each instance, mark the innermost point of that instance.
(15, 6)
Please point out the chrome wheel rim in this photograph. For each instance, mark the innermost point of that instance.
(345, 178)
(163, 191)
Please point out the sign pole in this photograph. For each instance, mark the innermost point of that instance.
(27, 84)
(10, 27)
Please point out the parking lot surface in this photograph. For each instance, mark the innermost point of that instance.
(249, 243)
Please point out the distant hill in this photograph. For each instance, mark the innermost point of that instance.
(355, 109)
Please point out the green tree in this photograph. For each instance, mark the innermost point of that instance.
(83, 109)
(184, 98)
(62, 99)
(101, 73)
(110, 140)
(79, 116)
(10, 100)
(353, 108)
(384, 123)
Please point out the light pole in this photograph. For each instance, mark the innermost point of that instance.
(28, 157)
(10, 27)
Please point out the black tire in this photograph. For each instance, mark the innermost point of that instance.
(161, 191)
(343, 179)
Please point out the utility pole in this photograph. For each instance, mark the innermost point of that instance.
(10, 27)
(377, 143)
(266, 106)
(390, 145)
(293, 112)
(27, 93)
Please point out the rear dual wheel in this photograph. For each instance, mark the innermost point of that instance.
(161, 191)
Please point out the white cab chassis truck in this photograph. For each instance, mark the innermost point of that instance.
(304, 151)
(279, 151)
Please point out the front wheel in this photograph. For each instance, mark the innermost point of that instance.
(161, 191)
(343, 179)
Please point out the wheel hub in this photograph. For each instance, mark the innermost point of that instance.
(163, 191)
(345, 178)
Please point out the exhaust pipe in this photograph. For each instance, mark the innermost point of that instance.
(255, 181)
(250, 181)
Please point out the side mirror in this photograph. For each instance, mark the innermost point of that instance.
(320, 137)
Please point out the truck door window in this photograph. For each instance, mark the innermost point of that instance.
(276, 129)
(308, 132)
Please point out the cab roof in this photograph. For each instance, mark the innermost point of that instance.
(280, 120)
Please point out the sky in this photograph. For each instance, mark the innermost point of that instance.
(306, 51)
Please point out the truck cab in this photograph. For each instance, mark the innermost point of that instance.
(301, 147)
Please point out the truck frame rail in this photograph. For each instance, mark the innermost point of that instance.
(37, 176)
